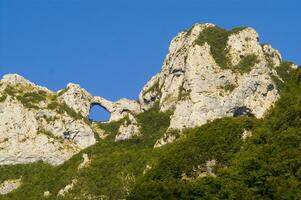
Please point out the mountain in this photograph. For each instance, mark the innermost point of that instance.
(221, 120)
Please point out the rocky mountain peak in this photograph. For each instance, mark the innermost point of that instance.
(211, 73)
(17, 81)
(40, 125)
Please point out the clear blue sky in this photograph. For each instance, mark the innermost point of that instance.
(112, 48)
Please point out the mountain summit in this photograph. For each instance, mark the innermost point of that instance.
(209, 74)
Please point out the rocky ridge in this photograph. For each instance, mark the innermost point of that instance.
(209, 73)
(40, 125)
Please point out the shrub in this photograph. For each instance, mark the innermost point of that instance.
(3, 98)
(229, 87)
(266, 166)
(154, 88)
(10, 91)
(183, 93)
(217, 38)
(64, 108)
(29, 100)
(246, 64)
(60, 93)
(53, 105)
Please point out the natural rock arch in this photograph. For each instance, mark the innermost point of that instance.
(100, 111)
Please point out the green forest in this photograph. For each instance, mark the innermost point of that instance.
(265, 165)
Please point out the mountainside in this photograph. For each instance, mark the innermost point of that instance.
(222, 120)
(40, 125)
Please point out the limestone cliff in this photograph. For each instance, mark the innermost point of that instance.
(198, 89)
(209, 73)
(38, 124)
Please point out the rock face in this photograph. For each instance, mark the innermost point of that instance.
(81, 101)
(128, 129)
(37, 124)
(67, 188)
(9, 186)
(199, 85)
(209, 73)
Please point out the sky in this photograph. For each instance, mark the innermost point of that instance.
(112, 48)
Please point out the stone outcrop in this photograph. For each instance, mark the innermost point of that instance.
(81, 101)
(9, 186)
(36, 126)
(40, 125)
(128, 129)
(86, 162)
(67, 188)
(246, 134)
(197, 88)
(209, 73)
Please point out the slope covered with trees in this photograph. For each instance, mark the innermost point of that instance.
(265, 165)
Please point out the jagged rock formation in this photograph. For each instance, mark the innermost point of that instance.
(35, 125)
(81, 101)
(209, 73)
(38, 124)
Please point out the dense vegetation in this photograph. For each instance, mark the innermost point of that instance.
(114, 168)
(217, 38)
(266, 165)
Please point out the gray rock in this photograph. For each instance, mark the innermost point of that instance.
(128, 129)
(190, 84)
(9, 186)
(198, 90)
(55, 127)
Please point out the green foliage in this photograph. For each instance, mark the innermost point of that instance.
(10, 91)
(229, 87)
(48, 133)
(64, 108)
(110, 128)
(3, 98)
(113, 171)
(39, 177)
(153, 125)
(61, 92)
(30, 100)
(246, 64)
(217, 38)
(264, 166)
(219, 140)
(284, 72)
(154, 88)
(183, 93)
(53, 105)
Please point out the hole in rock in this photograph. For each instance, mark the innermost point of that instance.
(98, 113)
